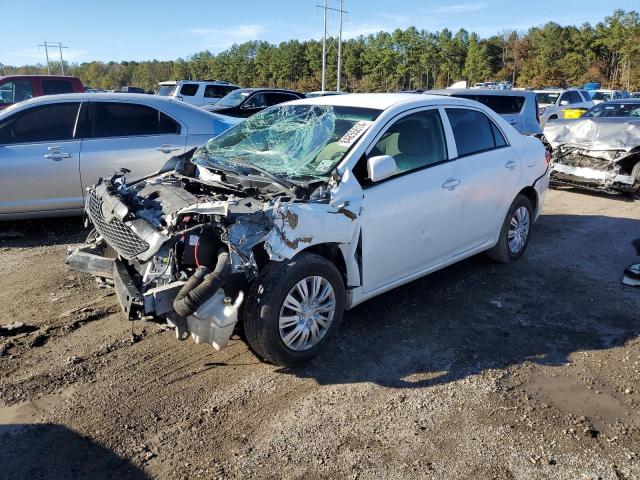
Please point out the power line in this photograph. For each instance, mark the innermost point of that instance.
(46, 46)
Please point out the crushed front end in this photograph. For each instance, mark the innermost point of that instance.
(600, 154)
(175, 249)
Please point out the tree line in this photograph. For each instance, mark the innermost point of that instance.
(550, 55)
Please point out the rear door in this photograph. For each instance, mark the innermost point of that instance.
(128, 135)
(489, 173)
(39, 159)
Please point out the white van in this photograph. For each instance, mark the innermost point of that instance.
(196, 92)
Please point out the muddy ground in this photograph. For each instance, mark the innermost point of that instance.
(526, 371)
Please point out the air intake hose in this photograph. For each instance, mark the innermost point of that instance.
(201, 286)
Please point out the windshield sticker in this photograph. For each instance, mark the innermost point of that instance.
(354, 132)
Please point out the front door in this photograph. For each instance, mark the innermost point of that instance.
(409, 221)
(39, 159)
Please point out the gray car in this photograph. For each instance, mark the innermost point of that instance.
(518, 107)
(52, 148)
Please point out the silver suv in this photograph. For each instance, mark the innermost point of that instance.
(518, 107)
(196, 92)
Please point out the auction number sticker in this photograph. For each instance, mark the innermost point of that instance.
(354, 132)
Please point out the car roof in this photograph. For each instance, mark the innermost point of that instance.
(98, 95)
(625, 100)
(42, 77)
(382, 101)
(479, 91)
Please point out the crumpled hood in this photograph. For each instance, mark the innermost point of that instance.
(595, 133)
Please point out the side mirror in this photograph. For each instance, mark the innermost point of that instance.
(381, 167)
(564, 102)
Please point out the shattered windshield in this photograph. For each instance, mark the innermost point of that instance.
(547, 97)
(292, 141)
(631, 109)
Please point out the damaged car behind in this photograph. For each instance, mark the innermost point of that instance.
(308, 209)
(599, 151)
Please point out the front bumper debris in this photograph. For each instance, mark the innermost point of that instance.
(213, 322)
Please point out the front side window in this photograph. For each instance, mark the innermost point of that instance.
(293, 141)
(46, 123)
(127, 119)
(414, 141)
(574, 97)
(473, 131)
(15, 91)
(256, 101)
(189, 89)
(54, 87)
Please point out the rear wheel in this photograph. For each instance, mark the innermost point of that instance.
(294, 308)
(514, 234)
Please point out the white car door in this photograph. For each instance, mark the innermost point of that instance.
(410, 220)
(489, 173)
(39, 159)
(128, 135)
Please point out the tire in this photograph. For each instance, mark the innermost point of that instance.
(266, 305)
(503, 251)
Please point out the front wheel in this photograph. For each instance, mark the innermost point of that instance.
(514, 234)
(294, 308)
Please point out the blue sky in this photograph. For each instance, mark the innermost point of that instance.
(140, 30)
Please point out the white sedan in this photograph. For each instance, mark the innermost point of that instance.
(310, 208)
(53, 147)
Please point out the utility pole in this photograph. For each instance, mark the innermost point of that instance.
(46, 46)
(324, 46)
(340, 47)
(324, 42)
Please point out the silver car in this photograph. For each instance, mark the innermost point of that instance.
(518, 107)
(53, 147)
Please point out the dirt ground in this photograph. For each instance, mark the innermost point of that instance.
(486, 371)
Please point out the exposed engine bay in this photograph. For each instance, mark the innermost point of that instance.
(597, 154)
(184, 245)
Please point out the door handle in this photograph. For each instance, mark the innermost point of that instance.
(451, 184)
(167, 148)
(57, 156)
(510, 165)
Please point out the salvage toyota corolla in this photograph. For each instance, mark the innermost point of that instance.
(310, 208)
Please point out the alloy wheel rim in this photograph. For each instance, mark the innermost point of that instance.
(306, 313)
(518, 230)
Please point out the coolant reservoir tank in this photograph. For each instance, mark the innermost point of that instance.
(214, 321)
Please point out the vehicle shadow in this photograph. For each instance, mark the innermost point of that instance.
(621, 197)
(50, 451)
(563, 296)
(42, 232)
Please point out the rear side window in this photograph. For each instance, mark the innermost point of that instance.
(46, 123)
(586, 95)
(217, 91)
(126, 119)
(276, 98)
(189, 89)
(473, 131)
(574, 97)
(15, 91)
(501, 104)
(53, 87)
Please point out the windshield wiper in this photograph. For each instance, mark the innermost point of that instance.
(288, 186)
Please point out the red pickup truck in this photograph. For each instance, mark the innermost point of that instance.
(15, 88)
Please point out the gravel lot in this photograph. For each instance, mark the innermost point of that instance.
(526, 371)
